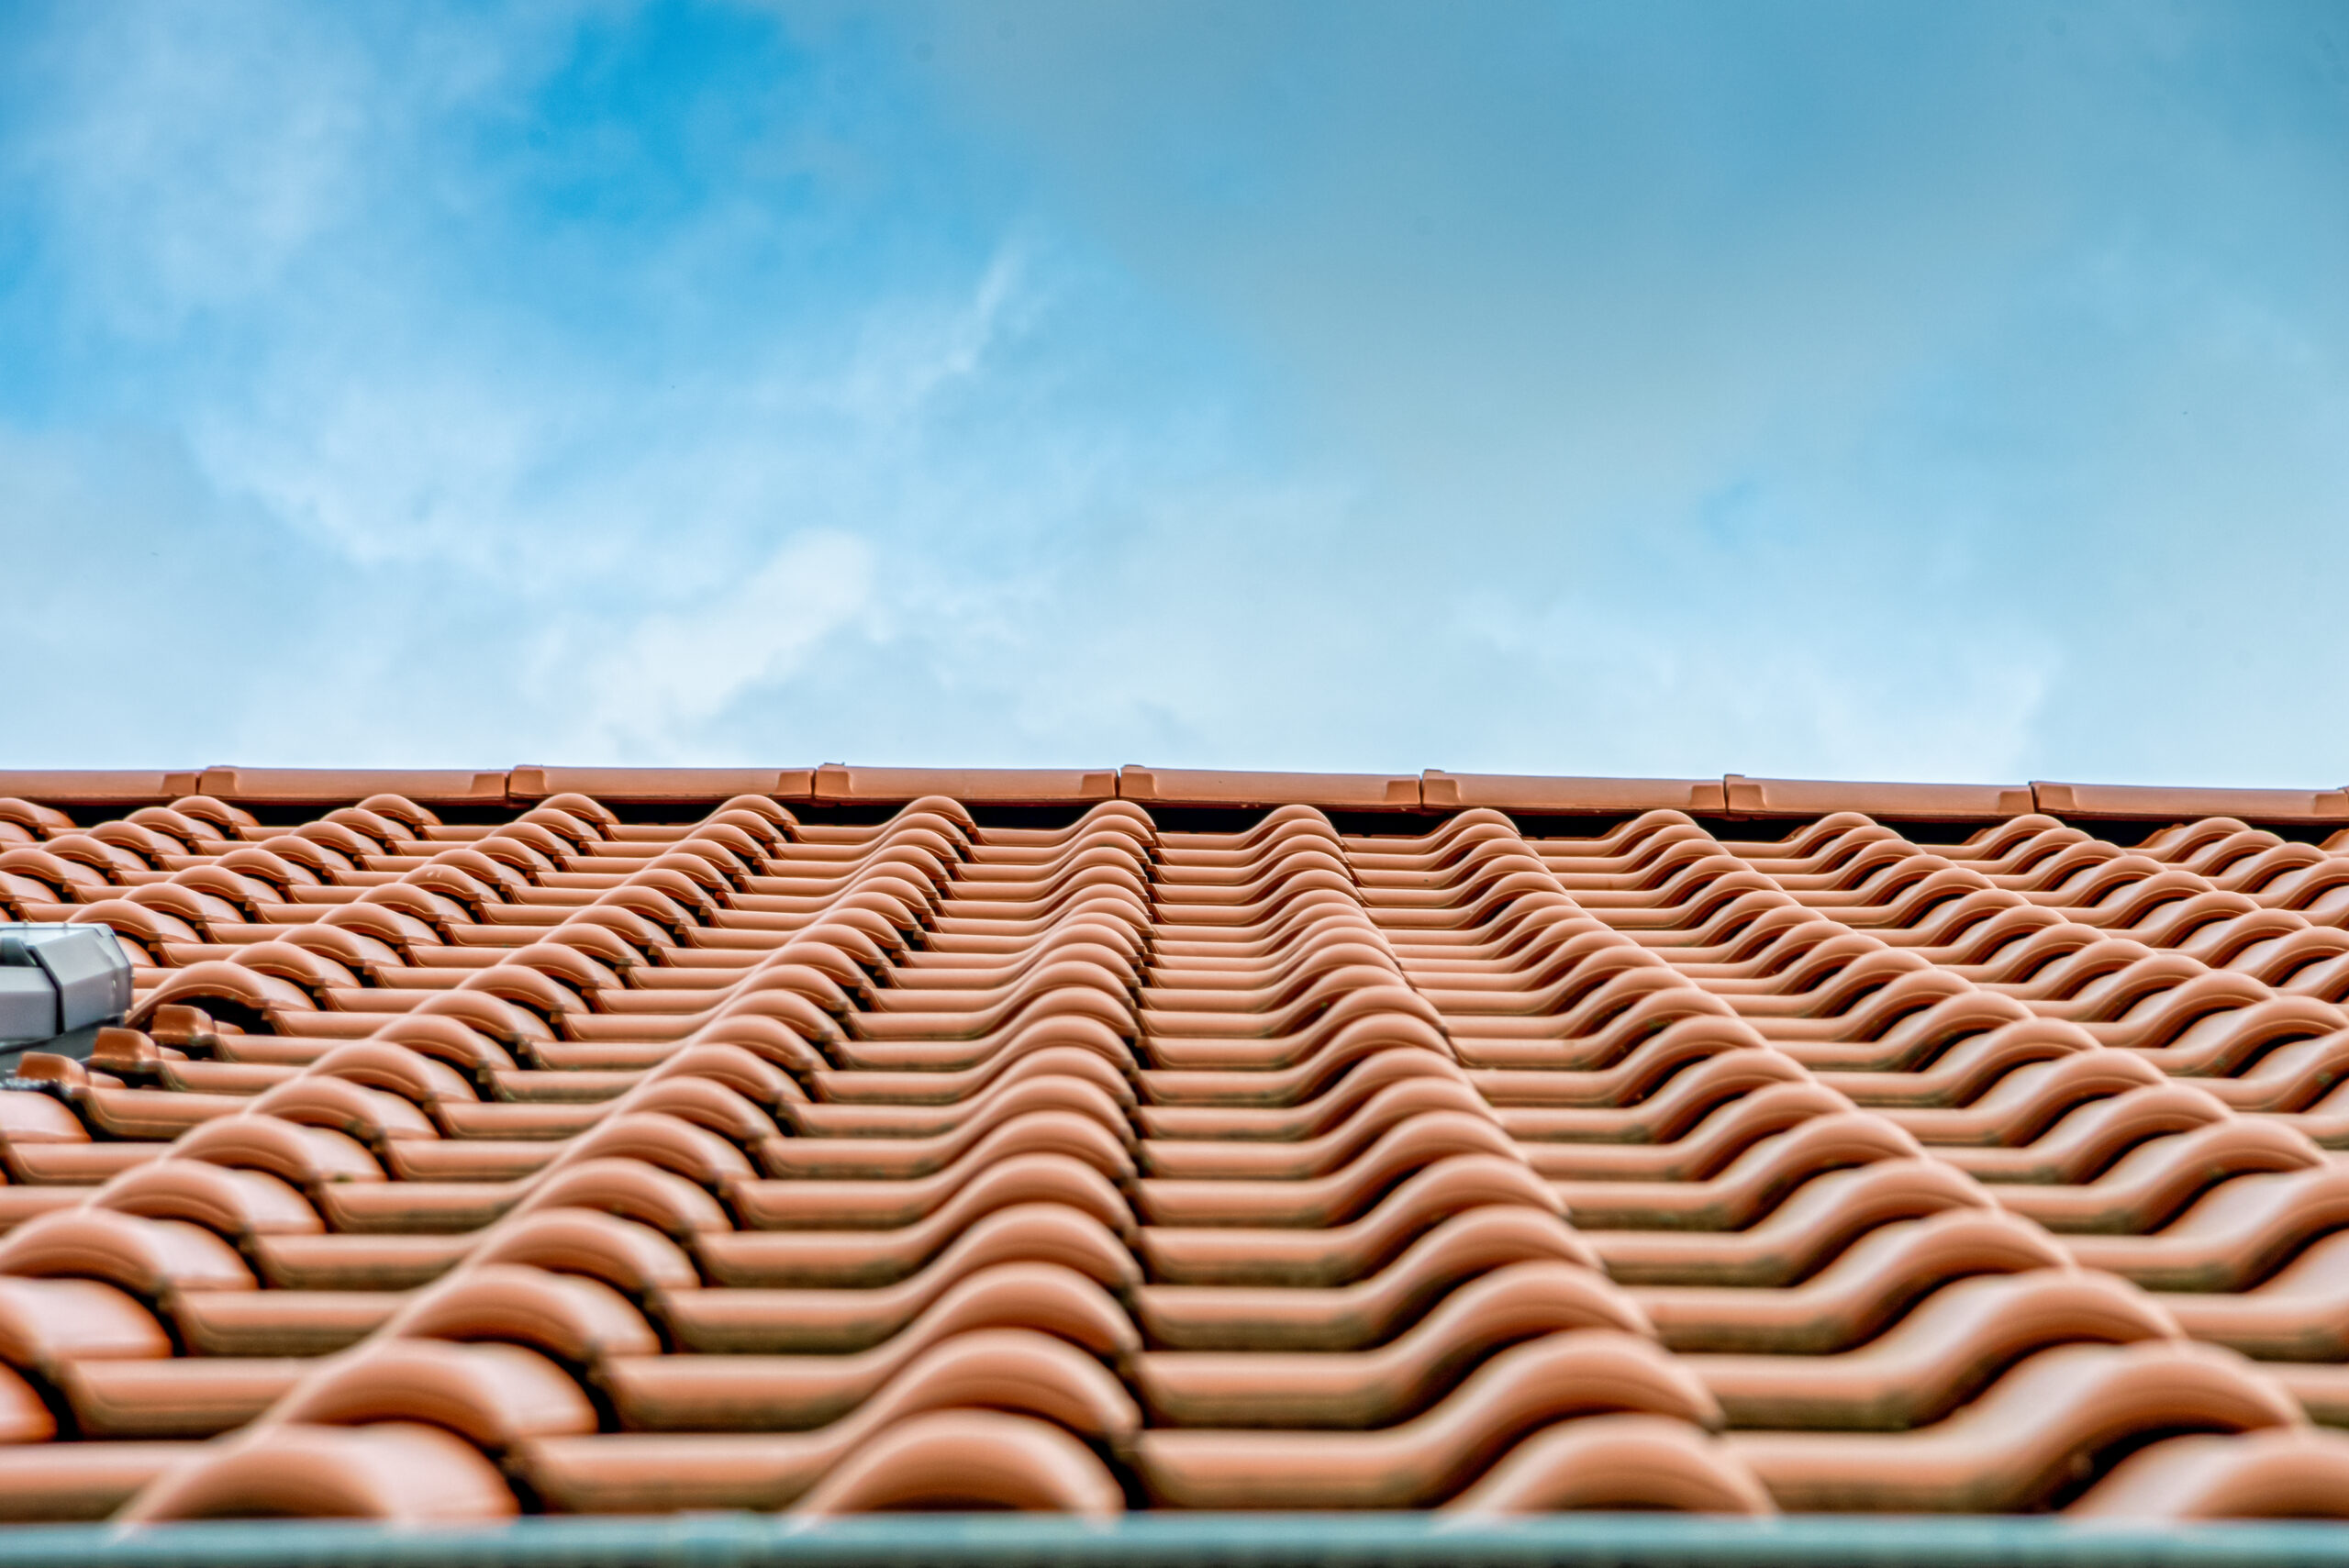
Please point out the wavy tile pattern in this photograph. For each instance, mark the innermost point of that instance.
(575, 1162)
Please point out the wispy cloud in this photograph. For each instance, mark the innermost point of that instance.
(670, 672)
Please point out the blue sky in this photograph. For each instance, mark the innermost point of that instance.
(1879, 390)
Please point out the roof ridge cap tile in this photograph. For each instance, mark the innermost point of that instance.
(1732, 795)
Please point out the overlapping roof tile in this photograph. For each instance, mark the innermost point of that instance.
(841, 1139)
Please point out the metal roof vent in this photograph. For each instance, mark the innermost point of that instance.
(60, 981)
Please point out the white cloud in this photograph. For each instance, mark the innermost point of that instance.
(666, 676)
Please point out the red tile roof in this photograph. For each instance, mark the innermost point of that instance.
(842, 1140)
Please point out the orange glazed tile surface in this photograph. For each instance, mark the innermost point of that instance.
(840, 1139)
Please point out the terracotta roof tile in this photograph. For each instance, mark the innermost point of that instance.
(1336, 791)
(841, 1139)
(322, 786)
(636, 787)
(2148, 801)
(1926, 802)
(1511, 792)
(975, 785)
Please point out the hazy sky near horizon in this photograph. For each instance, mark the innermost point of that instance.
(1876, 390)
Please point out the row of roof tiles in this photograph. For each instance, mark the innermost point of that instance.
(1733, 795)
(755, 1162)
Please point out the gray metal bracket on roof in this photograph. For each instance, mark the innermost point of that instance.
(59, 984)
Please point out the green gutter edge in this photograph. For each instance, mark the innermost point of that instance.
(1226, 1540)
